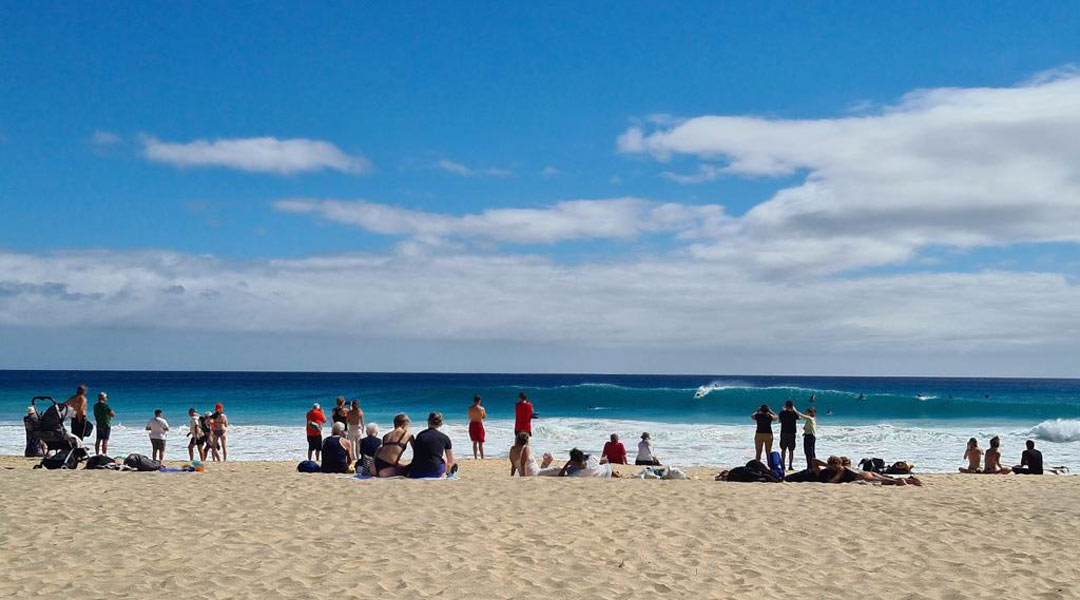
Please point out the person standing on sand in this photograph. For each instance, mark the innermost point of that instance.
(354, 422)
(614, 451)
(809, 439)
(219, 431)
(159, 430)
(993, 459)
(788, 425)
(523, 415)
(477, 414)
(763, 437)
(195, 432)
(315, 420)
(78, 405)
(103, 417)
(34, 446)
(338, 414)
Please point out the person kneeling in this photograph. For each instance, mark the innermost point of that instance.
(337, 452)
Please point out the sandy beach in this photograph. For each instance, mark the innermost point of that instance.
(261, 530)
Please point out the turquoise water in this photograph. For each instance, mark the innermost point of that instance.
(701, 419)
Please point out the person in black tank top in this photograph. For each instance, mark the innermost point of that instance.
(336, 452)
(763, 438)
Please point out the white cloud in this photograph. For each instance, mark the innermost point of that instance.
(460, 169)
(444, 295)
(616, 218)
(951, 166)
(550, 171)
(260, 155)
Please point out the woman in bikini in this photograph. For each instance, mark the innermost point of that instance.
(523, 463)
(839, 470)
(388, 458)
(219, 429)
(973, 454)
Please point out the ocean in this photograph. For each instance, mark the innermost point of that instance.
(693, 419)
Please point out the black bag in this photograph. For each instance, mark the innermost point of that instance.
(88, 428)
(141, 462)
(64, 459)
(875, 465)
(98, 462)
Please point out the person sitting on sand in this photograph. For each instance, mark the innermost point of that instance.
(993, 459)
(585, 465)
(34, 446)
(645, 455)
(477, 435)
(523, 462)
(337, 452)
(315, 419)
(973, 454)
(1031, 461)
(369, 446)
(433, 454)
(354, 426)
(614, 451)
(388, 458)
(763, 437)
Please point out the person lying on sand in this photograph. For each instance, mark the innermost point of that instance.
(584, 465)
(838, 472)
(388, 458)
(523, 462)
(993, 459)
(973, 454)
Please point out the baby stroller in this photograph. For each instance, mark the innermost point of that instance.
(48, 426)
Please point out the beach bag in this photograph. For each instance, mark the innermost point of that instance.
(308, 466)
(88, 428)
(141, 462)
(875, 465)
(776, 464)
(98, 462)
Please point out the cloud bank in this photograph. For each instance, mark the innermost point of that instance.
(256, 155)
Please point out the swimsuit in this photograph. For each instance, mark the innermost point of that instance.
(381, 464)
(476, 431)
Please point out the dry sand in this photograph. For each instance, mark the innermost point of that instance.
(261, 530)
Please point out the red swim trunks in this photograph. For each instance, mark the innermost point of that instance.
(476, 431)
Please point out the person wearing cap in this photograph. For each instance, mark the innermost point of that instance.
(218, 430)
(315, 420)
(337, 452)
(645, 454)
(34, 447)
(103, 417)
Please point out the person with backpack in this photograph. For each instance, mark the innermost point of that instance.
(103, 416)
(159, 430)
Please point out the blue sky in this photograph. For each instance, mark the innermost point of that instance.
(452, 110)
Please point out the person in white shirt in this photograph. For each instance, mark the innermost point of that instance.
(645, 454)
(195, 432)
(159, 430)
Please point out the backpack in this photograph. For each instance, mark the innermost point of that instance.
(98, 462)
(776, 464)
(308, 466)
(875, 465)
(64, 459)
(141, 462)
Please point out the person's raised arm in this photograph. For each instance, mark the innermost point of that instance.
(772, 415)
(562, 472)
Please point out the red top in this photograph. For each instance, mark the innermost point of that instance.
(523, 412)
(315, 416)
(615, 453)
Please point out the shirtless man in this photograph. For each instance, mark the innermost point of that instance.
(993, 459)
(78, 406)
(477, 414)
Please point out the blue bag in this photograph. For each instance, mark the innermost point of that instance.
(308, 466)
(776, 464)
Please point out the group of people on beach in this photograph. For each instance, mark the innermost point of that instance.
(1031, 460)
(208, 432)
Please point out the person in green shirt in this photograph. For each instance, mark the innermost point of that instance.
(103, 416)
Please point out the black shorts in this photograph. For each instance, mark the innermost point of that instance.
(787, 441)
(158, 444)
(103, 432)
(314, 442)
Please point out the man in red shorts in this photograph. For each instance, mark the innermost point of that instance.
(523, 415)
(477, 414)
